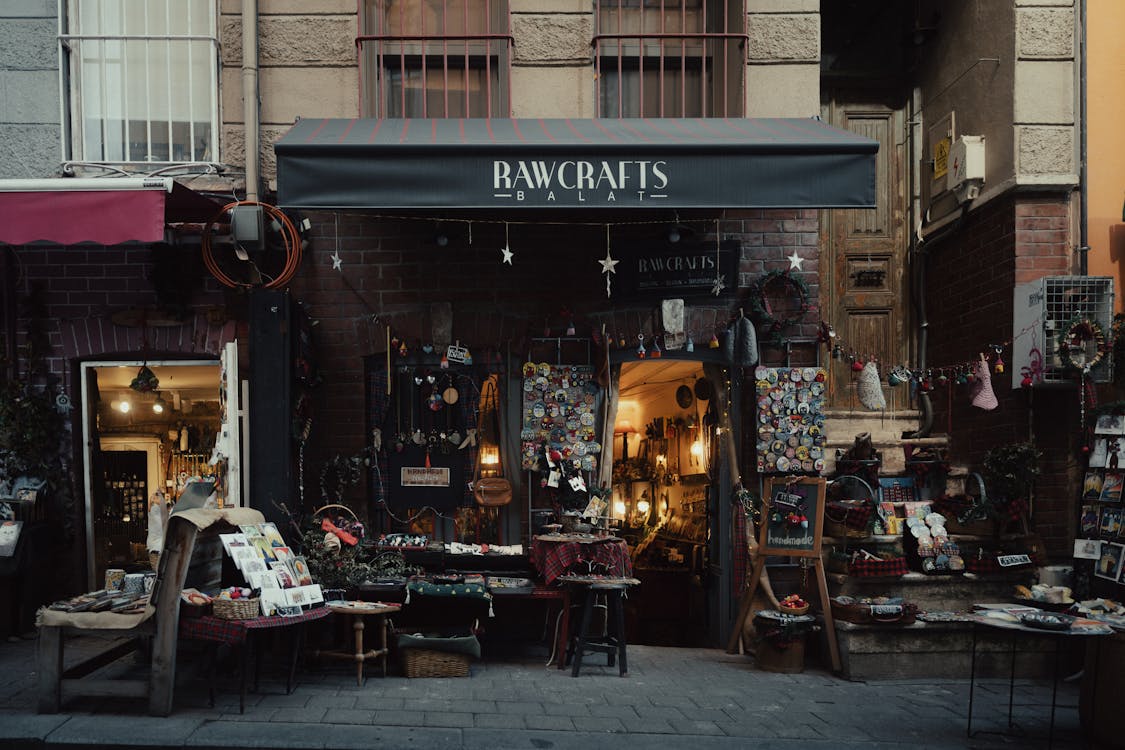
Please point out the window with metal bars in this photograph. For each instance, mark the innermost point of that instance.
(143, 80)
(670, 58)
(435, 58)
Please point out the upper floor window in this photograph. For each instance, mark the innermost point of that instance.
(670, 58)
(143, 80)
(435, 58)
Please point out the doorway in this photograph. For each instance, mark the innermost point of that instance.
(149, 430)
(667, 461)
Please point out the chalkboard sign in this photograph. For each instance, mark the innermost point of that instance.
(793, 518)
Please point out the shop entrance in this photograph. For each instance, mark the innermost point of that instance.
(146, 445)
(666, 457)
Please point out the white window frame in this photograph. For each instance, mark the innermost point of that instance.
(70, 100)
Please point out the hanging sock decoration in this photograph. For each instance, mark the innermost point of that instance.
(981, 391)
(869, 388)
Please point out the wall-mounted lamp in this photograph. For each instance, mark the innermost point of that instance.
(124, 406)
(159, 404)
(489, 460)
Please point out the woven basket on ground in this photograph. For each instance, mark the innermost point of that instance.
(421, 662)
(236, 609)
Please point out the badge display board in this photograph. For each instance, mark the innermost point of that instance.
(790, 408)
(559, 412)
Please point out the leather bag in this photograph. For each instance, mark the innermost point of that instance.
(491, 492)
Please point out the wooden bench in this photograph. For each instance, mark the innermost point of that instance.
(160, 630)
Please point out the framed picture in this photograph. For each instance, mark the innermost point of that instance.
(1109, 562)
(1092, 486)
(1087, 549)
(1111, 487)
(1088, 521)
(1110, 424)
(1110, 522)
(794, 514)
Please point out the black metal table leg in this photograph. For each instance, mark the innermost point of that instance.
(972, 681)
(1011, 678)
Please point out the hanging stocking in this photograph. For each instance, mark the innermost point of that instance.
(869, 389)
(981, 391)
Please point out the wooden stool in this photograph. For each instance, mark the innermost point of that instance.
(613, 643)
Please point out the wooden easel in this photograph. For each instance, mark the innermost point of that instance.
(777, 539)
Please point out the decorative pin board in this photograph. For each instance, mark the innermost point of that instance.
(559, 412)
(791, 435)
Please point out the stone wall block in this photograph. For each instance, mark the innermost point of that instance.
(1045, 33)
(1045, 150)
(543, 38)
(32, 44)
(783, 37)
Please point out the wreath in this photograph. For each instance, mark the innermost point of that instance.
(760, 306)
(1078, 333)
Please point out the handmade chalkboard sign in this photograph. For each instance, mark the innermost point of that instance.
(793, 519)
(792, 522)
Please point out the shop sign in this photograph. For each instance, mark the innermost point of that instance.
(683, 270)
(423, 476)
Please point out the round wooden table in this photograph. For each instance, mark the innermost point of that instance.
(357, 611)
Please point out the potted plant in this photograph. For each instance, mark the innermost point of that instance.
(1010, 471)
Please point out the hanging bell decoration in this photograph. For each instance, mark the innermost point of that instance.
(444, 362)
(402, 349)
(714, 342)
(998, 368)
(690, 346)
(641, 346)
(857, 365)
(656, 351)
(943, 379)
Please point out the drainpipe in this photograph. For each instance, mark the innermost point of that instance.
(250, 113)
(918, 257)
(1083, 187)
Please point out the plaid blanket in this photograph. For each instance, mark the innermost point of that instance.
(854, 514)
(553, 559)
(867, 568)
(235, 631)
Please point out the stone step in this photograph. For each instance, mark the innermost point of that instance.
(941, 650)
(886, 430)
(948, 593)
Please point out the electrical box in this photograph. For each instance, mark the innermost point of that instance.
(1044, 311)
(966, 166)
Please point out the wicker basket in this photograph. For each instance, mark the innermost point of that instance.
(794, 611)
(236, 609)
(421, 662)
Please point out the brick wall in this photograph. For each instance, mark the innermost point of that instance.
(970, 276)
(393, 269)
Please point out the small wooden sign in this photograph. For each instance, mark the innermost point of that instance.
(793, 516)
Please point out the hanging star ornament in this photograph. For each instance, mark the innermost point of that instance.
(506, 251)
(337, 261)
(795, 261)
(609, 265)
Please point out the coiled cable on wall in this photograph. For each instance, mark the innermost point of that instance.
(290, 237)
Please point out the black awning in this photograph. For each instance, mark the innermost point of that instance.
(625, 163)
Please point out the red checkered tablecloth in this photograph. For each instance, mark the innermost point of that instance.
(235, 631)
(553, 559)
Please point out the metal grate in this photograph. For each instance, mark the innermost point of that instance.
(1065, 300)
(670, 58)
(441, 58)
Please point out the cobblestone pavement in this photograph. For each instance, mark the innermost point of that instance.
(672, 698)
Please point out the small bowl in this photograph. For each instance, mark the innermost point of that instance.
(793, 611)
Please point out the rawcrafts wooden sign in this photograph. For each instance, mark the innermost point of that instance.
(793, 516)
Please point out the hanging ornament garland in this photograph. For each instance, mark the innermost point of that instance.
(719, 285)
(762, 310)
(608, 265)
(1079, 337)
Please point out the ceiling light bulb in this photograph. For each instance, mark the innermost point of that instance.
(619, 507)
(124, 406)
(159, 404)
(642, 506)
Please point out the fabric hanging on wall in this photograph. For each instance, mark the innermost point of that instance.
(609, 444)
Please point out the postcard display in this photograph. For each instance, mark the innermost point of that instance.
(267, 563)
(790, 406)
(559, 414)
(1101, 526)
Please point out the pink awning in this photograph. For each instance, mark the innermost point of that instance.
(103, 216)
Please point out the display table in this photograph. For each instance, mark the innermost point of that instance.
(241, 633)
(554, 555)
(357, 611)
(990, 616)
